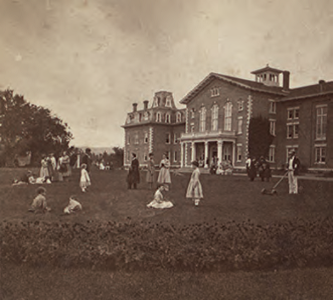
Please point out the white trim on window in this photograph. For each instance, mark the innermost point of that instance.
(271, 153)
(272, 106)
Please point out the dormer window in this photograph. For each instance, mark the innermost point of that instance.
(179, 117)
(156, 102)
(214, 92)
(158, 117)
(146, 116)
(167, 118)
(168, 101)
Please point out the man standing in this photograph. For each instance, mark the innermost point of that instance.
(133, 177)
(293, 167)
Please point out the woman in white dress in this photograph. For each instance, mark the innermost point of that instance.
(164, 175)
(85, 178)
(194, 189)
(44, 171)
(159, 201)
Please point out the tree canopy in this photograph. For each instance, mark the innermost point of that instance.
(259, 137)
(28, 127)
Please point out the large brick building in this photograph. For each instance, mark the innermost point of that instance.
(155, 129)
(219, 109)
(216, 121)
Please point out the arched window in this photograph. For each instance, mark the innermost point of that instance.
(167, 118)
(202, 127)
(227, 116)
(158, 117)
(215, 117)
(179, 117)
(168, 101)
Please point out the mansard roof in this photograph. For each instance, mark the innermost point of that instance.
(243, 83)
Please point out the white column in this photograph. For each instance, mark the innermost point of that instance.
(206, 154)
(193, 152)
(219, 151)
(233, 153)
(181, 155)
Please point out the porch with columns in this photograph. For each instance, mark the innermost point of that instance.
(225, 150)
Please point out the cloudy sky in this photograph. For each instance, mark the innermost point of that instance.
(89, 60)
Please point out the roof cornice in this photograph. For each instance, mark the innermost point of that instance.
(305, 96)
(210, 76)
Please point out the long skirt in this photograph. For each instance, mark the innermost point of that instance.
(195, 193)
(161, 205)
(164, 176)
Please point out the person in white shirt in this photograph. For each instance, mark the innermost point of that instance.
(73, 206)
(293, 167)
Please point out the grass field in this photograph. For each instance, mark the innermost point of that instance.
(227, 199)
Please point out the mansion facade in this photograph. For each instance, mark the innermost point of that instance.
(155, 129)
(215, 123)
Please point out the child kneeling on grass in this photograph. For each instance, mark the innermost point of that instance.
(159, 201)
(194, 189)
(39, 203)
(73, 206)
(85, 178)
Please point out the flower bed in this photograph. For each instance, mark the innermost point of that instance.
(144, 246)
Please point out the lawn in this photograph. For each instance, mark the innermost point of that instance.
(228, 200)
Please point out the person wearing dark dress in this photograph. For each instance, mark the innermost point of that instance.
(251, 168)
(86, 159)
(133, 177)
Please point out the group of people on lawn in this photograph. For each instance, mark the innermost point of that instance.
(194, 190)
(52, 170)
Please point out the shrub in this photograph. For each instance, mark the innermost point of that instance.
(144, 246)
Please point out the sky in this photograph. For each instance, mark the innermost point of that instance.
(89, 60)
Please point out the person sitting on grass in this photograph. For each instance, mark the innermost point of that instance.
(159, 201)
(85, 178)
(73, 206)
(39, 204)
(27, 178)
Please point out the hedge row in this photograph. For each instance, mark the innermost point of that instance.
(143, 246)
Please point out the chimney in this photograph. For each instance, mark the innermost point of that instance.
(135, 105)
(321, 85)
(145, 104)
(286, 79)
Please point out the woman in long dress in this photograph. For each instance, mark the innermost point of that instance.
(150, 178)
(194, 189)
(164, 175)
(64, 167)
(159, 201)
(84, 179)
(44, 170)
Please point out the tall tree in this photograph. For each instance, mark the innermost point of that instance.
(28, 127)
(259, 137)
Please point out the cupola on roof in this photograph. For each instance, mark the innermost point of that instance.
(268, 76)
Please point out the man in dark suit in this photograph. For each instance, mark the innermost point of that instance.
(133, 177)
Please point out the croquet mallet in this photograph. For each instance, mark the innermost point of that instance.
(273, 190)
